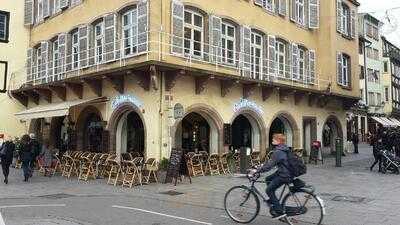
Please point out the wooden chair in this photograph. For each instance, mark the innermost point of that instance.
(150, 169)
(114, 172)
(133, 172)
(42, 168)
(87, 168)
(224, 165)
(101, 165)
(255, 158)
(68, 167)
(197, 165)
(236, 158)
(204, 161)
(213, 164)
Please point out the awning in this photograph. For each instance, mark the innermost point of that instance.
(382, 121)
(396, 121)
(56, 109)
(390, 122)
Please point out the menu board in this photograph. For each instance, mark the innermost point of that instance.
(174, 166)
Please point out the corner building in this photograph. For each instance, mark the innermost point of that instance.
(147, 76)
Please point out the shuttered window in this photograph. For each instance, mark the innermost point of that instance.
(216, 38)
(343, 65)
(346, 20)
(246, 50)
(256, 55)
(142, 22)
(313, 14)
(130, 32)
(38, 62)
(272, 55)
(193, 33)
(228, 38)
(83, 46)
(99, 41)
(282, 7)
(46, 8)
(281, 57)
(311, 67)
(177, 27)
(29, 12)
(39, 11)
(300, 12)
(44, 57)
(55, 59)
(56, 6)
(302, 63)
(62, 49)
(29, 64)
(110, 37)
(4, 26)
(75, 50)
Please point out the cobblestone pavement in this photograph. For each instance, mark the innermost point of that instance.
(369, 198)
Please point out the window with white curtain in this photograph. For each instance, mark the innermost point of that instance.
(228, 43)
(130, 31)
(193, 33)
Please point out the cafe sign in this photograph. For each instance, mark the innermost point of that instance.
(121, 99)
(247, 104)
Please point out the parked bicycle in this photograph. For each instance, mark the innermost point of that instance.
(300, 203)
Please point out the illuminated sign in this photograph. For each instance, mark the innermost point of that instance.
(120, 99)
(247, 104)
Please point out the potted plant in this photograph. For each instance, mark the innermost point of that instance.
(162, 170)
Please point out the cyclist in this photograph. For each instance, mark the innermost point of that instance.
(280, 177)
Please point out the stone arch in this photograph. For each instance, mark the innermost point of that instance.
(80, 124)
(257, 123)
(214, 120)
(335, 131)
(288, 120)
(117, 114)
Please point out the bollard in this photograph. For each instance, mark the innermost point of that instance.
(339, 150)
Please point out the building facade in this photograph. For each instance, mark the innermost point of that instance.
(371, 68)
(391, 78)
(147, 76)
(14, 40)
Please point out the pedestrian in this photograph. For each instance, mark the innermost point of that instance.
(26, 156)
(377, 151)
(6, 155)
(35, 149)
(47, 157)
(355, 141)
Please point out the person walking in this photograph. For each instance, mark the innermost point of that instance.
(377, 151)
(355, 141)
(35, 149)
(6, 155)
(26, 156)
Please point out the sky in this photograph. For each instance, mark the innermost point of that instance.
(378, 8)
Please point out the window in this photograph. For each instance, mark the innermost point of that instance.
(56, 6)
(281, 57)
(345, 69)
(377, 75)
(376, 54)
(378, 99)
(55, 56)
(386, 94)
(300, 11)
(256, 55)
(130, 31)
(39, 12)
(38, 61)
(385, 66)
(345, 20)
(4, 26)
(269, 5)
(371, 98)
(372, 31)
(228, 43)
(302, 63)
(99, 41)
(193, 29)
(75, 50)
(371, 75)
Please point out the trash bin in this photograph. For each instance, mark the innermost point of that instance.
(339, 151)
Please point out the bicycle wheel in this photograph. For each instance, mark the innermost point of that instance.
(304, 207)
(241, 204)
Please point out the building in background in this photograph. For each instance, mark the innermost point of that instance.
(148, 76)
(14, 40)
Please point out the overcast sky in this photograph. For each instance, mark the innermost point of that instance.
(378, 9)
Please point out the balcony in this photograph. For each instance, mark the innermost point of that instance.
(156, 49)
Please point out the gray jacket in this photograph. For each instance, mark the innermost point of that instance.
(280, 159)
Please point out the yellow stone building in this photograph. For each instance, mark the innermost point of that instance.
(14, 40)
(147, 76)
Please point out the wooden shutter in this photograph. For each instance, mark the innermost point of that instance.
(339, 16)
(340, 68)
(142, 19)
(62, 49)
(215, 38)
(293, 11)
(258, 2)
(177, 27)
(265, 59)
(246, 50)
(29, 14)
(43, 68)
(64, 4)
(29, 63)
(83, 46)
(92, 57)
(295, 61)
(272, 55)
(313, 21)
(311, 67)
(353, 23)
(109, 36)
(50, 63)
(46, 8)
(282, 7)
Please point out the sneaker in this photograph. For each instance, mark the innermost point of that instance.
(277, 215)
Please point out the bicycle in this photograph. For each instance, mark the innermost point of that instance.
(300, 204)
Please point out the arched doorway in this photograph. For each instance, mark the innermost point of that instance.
(282, 125)
(130, 134)
(247, 130)
(36, 127)
(90, 130)
(195, 133)
(331, 130)
(58, 131)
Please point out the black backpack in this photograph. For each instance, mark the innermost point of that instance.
(296, 165)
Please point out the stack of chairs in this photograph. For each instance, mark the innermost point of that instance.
(255, 158)
(150, 169)
(213, 164)
(133, 172)
(224, 166)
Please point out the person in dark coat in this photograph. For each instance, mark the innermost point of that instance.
(26, 156)
(355, 141)
(36, 149)
(7, 151)
(377, 151)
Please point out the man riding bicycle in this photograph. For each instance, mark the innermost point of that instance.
(282, 176)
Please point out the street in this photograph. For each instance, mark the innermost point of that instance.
(353, 196)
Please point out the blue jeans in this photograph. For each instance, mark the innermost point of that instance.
(273, 183)
(26, 167)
